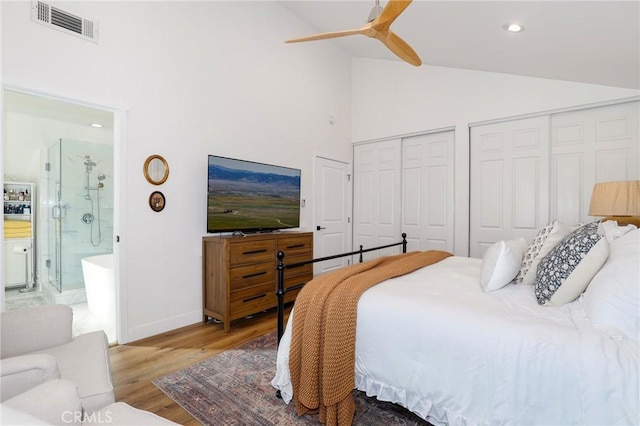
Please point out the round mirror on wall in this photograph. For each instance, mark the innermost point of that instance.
(156, 169)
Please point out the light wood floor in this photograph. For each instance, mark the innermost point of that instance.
(135, 365)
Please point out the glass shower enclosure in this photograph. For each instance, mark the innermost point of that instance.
(80, 215)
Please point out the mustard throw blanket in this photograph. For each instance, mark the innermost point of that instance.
(322, 352)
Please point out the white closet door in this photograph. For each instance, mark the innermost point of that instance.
(590, 146)
(509, 173)
(376, 199)
(427, 191)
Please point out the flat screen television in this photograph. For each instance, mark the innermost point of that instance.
(245, 196)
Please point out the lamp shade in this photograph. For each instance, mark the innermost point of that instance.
(621, 198)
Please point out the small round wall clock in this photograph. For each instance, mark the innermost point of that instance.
(157, 201)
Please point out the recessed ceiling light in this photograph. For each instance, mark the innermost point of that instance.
(514, 28)
(98, 125)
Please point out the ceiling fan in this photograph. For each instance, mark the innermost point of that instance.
(378, 27)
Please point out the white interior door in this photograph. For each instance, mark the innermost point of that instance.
(527, 172)
(509, 188)
(377, 195)
(427, 191)
(590, 146)
(332, 221)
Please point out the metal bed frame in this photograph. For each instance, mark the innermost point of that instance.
(281, 266)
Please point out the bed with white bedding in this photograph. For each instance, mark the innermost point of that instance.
(456, 354)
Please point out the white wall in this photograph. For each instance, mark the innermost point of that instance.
(197, 78)
(392, 98)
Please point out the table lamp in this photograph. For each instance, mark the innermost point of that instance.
(619, 201)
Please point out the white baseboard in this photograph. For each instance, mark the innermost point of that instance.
(162, 326)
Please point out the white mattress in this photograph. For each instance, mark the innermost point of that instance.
(434, 342)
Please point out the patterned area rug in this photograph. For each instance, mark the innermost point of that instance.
(234, 388)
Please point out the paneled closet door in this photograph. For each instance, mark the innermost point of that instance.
(589, 146)
(509, 173)
(427, 191)
(376, 195)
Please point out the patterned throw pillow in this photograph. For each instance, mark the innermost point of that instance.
(565, 272)
(542, 244)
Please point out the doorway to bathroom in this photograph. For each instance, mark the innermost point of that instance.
(66, 151)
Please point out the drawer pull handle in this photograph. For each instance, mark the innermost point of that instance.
(249, 299)
(254, 275)
(254, 251)
(296, 246)
(295, 287)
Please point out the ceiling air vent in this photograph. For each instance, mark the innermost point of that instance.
(58, 19)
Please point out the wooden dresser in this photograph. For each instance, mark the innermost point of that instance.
(239, 273)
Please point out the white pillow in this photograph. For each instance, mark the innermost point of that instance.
(542, 244)
(565, 272)
(611, 230)
(500, 263)
(612, 300)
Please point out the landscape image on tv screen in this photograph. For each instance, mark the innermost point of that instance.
(250, 196)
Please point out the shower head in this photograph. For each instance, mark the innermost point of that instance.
(101, 176)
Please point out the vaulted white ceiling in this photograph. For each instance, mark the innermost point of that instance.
(594, 42)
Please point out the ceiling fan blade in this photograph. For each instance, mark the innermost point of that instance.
(379, 29)
(389, 14)
(399, 47)
(334, 34)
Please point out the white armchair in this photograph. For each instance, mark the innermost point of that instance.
(58, 403)
(21, 373)
(49, 377)
(37, 346)
(53, 402)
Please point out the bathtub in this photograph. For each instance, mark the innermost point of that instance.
(100, 284)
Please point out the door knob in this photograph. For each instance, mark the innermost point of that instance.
(319, 228)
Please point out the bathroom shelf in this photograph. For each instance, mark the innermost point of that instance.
(19, 240)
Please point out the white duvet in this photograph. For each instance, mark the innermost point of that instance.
(435, 343)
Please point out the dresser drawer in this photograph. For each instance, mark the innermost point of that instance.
(293, 286)
(290, 296)
(298, 282)
(297, 270)
(294, 245)
(251, 275)
(244, 252)
(251, 300)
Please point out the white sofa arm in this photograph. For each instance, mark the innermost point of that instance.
(85, 361)
(55, 402)
(21, 373)
(11, 416)
(35, 328)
